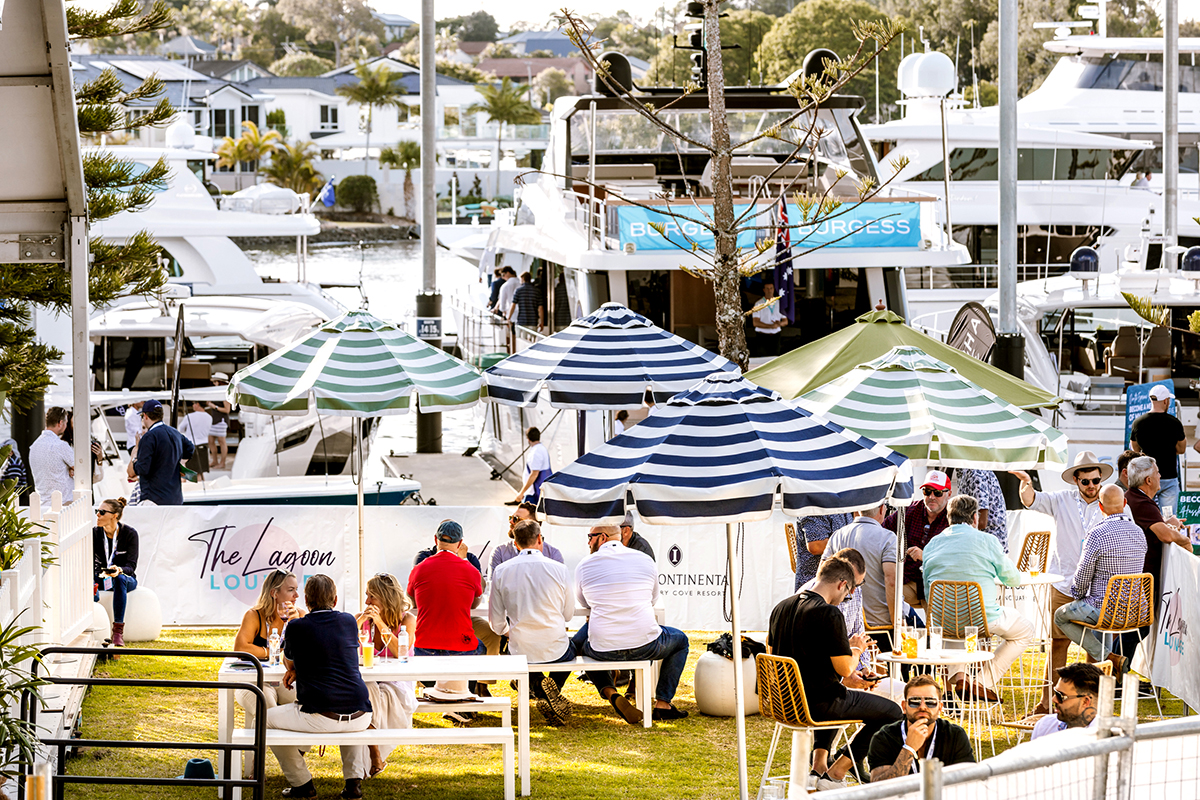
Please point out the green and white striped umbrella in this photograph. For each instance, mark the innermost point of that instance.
(356, 366)
(922, 408)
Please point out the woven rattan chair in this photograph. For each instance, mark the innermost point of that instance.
(789, 533)
(955, 605)
(1128, 606)
(1034, 552)
(781, 698)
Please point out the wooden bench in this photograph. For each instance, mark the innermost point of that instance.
(647, 678)
(399, 737)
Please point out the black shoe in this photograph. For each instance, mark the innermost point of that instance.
(459, 717)
(304, 790)
(622, 677)
(664, 714)
(482, 690)
(353, 789)
(626, 709)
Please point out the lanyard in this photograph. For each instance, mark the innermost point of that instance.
(110, 546)
(1083, 514)
(930, 744)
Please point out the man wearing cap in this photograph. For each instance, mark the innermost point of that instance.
(445, 587)
(1074, 511)
(632, 539)
(923, 520)
(156, 463)
(1159, 434)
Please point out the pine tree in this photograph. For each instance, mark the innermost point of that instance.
(113, 185)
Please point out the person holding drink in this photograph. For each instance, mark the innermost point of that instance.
(386, 625)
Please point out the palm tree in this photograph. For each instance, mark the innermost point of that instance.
(376, 87)
(406, 155)
(292, 168)
(249, 148)
(504, 103)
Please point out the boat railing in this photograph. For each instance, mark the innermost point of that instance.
(976, 276)
(592, 213)
(484, 338)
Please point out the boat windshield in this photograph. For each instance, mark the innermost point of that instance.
(1133, 75)
(1034, 164)
(625, 132)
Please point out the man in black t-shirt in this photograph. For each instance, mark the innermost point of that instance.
(809, 628)
(897, 748)
(1160, 435)
(320, 652)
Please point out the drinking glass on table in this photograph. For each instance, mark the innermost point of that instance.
(920, 635)
(935, 638)
(972, 638)
(910, 642)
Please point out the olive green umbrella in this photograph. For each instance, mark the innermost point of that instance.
(873, 335)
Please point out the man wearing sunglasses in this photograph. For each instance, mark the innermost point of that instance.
(1074, 700)
(923, 520)
(1075, 511)
(897, 748)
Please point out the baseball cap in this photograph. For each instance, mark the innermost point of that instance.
(628, 521)
(150, 405)
(937, 479)
(1159, 392)
(449, 531)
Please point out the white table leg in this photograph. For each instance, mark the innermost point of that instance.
(225, 707)
(523, 731)
(646, 684)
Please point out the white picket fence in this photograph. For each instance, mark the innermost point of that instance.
(62, 591)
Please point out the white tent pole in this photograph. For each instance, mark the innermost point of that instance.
(899, 592)
(357, 433)
(739, 713)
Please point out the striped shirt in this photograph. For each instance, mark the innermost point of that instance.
(1113, 546)
(814, 529)
(983, 485)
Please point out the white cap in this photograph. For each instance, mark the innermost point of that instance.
(1159, 392)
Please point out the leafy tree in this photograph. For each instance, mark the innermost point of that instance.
(249, 148)
(271, 32)
(277, 121)
(1034, 62)
(379, 87)
(625, 33)
(224, 23)
(301, 65)
(358, 192)
(775, 8)
(406, 155)
(504, 103)
(950, 27)
(478, 27)
(343, 22)
(825, 23)
(497, 50)
(292, 168)
(461, 71)
(552, 83)
(745, 28)
(1138, 18)
(725, 265)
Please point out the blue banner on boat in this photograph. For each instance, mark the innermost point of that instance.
(864, 225)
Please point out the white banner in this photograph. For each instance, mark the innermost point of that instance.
(1178, 615)
(205, 563)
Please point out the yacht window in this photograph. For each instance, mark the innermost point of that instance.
(1034, 164)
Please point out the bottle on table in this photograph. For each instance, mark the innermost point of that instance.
(402, 645)
(274, 647)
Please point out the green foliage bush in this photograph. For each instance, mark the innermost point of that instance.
(358, 192)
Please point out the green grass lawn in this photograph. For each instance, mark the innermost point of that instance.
(595, 755)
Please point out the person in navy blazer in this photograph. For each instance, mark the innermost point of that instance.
(156, 463)
(114, 561)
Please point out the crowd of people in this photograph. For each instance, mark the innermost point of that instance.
(846, 573)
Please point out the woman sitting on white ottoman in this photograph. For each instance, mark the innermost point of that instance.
(114, 561)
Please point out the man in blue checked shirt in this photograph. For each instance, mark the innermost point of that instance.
(1113, 546)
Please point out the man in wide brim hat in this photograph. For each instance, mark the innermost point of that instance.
(1075, 511)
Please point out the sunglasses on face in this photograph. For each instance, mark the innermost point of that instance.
(594, 535)
(932, 492)
(100, 512)
(1089, 481)
(1062, 698)
(928, 702)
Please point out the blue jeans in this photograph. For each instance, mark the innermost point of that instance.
(1168, 493)
(671, 647)
(559, 678)
(122, 585)
(426, 651)
(1068, 617)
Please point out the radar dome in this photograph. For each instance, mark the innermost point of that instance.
(180, 134)
(926, 75)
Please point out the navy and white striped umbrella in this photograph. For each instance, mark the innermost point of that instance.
(602, 362)
(719, 452)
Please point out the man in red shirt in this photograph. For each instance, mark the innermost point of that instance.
(445, 587)
(923, 520)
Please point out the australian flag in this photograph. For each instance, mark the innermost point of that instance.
(784, 284)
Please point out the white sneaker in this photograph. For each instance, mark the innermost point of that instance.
(825, 784)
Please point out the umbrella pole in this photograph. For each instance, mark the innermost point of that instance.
(357, 431)
(739, 713)
(898, 597)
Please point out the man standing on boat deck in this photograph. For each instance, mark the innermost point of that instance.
(507, 290)
(156, 465)
(537, 470)
(923, 520)
(527, 306)
(769, 323)
(1159, 434)
(133, 425)
(1075, 511)
(52, 461)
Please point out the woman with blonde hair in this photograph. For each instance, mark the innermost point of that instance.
(276, 607)
(388, 609)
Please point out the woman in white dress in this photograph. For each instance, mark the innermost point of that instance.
(393, 703)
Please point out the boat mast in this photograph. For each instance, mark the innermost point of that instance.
(1170, 133)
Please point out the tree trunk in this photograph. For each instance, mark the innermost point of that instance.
(731, 330)
(408, 195)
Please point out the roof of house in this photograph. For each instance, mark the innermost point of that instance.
(554, 40)
(189, 46)
(523, 67)
(393, 19)
(177, 78)
(217, 69)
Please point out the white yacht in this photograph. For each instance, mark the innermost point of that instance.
(586, 246)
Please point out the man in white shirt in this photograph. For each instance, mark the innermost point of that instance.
(133, 424)
(620, 586)
(768, 322)
(1075, 511)
(531, 602)
(511, 282)
(52, 461)
(1075, 697)
(196, 427)
(537, 470)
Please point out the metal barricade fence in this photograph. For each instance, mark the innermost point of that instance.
(1165, 766)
